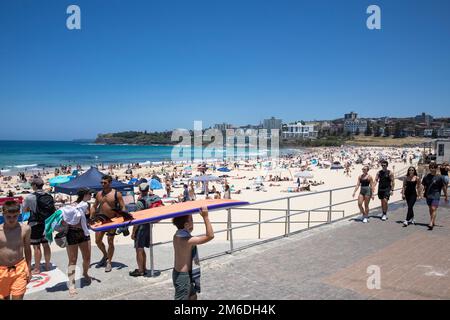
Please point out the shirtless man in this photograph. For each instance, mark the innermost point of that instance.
(183, 247)
(107, 202)
(14, 244)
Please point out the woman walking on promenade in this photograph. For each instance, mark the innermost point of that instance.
(78, 236)
(411, 188)
(366, 182)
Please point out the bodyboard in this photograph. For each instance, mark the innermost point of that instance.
(167, 212)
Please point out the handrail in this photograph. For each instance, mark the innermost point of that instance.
(287, 217)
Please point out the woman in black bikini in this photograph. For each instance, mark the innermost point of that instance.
(411, 188)
(365, 181)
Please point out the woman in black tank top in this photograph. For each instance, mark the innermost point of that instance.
(410, 190)
(365, 181)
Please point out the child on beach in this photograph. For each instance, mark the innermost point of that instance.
(14, 244)
(186, 271)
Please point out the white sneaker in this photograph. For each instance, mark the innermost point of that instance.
(405, 223)
(384, 218)
(365, 220)
(412, 222)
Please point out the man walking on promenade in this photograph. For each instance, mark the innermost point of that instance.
(386, 184)
(141, 233)
(107, 202)
(41, 205)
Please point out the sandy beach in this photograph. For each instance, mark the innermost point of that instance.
(255, 181)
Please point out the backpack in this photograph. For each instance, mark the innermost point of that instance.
(45, 206)
(153, 202)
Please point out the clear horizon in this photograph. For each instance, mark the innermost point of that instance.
(159, 65)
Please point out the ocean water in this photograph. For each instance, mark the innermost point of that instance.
(29, 155)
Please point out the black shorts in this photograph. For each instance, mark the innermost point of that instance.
(76, 236)
(37, 234)
(384, 194)
(142, 236)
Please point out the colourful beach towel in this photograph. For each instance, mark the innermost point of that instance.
(195, 260)
(52, 224)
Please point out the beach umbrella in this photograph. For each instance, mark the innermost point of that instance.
(336, 165)
(304, 174)
(155, 184)
(59, 179)
(133, 181)
(155, 177)
(314, 162)
(224, 169)
(205, 178)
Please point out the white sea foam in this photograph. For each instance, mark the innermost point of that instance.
(25, 166)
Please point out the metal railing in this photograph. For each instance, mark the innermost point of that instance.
(288, 213)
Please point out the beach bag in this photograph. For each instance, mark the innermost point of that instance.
(61, 239)
(45, 206)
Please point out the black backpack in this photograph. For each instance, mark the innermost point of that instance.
(45, 206)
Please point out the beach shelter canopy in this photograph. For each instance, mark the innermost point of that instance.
(90, 179)
(133, 181)
(155, 184)
(205, 178)
(59, 179)
(224, 169)
(156, 177)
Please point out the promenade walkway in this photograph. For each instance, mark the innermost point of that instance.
(329, 262)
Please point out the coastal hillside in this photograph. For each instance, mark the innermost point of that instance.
(136, 137)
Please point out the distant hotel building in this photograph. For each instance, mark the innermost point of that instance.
(299, 130)
(424, 118)
(350, 116)
(272, 123)
(223, 126)
(352, 124)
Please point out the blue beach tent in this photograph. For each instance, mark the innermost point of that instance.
(155, 184)
(90, 179)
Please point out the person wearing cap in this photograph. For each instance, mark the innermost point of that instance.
(141, 233)
(37, 222)
(75, 216)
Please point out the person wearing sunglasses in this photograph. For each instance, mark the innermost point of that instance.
(386, 183)
(107, 203)
(411, 189)
(366, 184)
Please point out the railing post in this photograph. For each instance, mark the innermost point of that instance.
(330, 205)
(229, 230)
(309, 218)
(286, 220)
(152, 267)
(259, 225)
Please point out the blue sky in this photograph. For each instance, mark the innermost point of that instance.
(156, 65)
